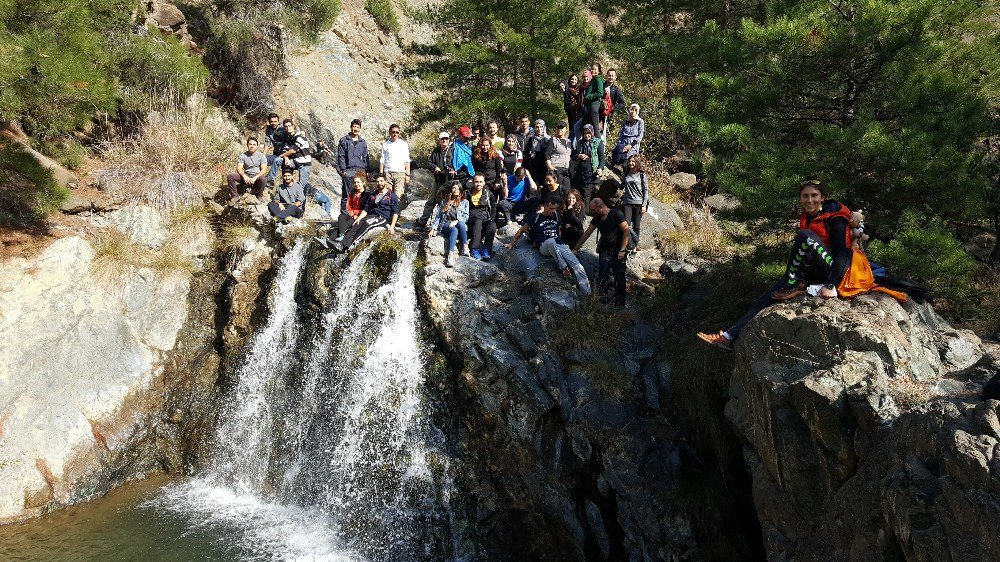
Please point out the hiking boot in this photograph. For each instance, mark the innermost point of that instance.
(566, 273)
(789, 292)
(477, 254)
(449, 261)
(716, 340)
(322, 242)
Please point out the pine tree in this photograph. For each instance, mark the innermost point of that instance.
(502, 58)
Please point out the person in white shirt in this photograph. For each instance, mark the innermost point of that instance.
(394, 163)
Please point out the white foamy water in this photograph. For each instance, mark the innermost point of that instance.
(325, 449)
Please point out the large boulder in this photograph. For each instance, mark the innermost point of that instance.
(865, 434)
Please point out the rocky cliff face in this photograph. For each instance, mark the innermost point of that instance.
(566, 454)
(865, 433)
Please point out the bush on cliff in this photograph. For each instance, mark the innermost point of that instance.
(384, 14)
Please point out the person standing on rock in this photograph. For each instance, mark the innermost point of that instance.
(635, 195)
(298, 152)
(523, 131)
(460, 163)
(352, 157)
(821, 254)
(439, 166)
(289, 199)
(611, 248)
(544, 227)
(510, 154)
(251, 171)
(277, 139)
(533, 150)
(589, 155)
(592, 93)
(614, 91)
(450, 221)
(394, 163)
(481, 225)
(381, 211)
(558, 152)
(571, 99)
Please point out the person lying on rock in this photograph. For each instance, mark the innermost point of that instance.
(450, 218)
(289, 199)
(611, 248)
(820, 254)
(251, 171)
(381, 211)
(544, 228)
(356, 199)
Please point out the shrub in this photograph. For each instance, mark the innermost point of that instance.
(67, 151)
(317, 16)
(926, 252)
(384, 14)
(175, 162)
(115, 255)
(701, 236)
(155, 74)
(28, 190)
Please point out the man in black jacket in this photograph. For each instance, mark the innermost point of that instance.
(439, 164)
(589, 156)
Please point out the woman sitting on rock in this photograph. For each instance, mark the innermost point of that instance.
(355, 204)
(482, 215)
(450, 218)
(821, 254)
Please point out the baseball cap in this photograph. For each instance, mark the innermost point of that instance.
(464, 131)
(444, 135)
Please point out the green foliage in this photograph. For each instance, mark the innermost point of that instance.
(317, 16)
(928, 253)
(67, 151)
(593, 326)
(28, 190)
(384, 14)
(155, 74)
(503, 59)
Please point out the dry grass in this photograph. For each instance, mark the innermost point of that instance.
(177, 160)
(909, 393)
(236, 237)
(188, 221)
(609, 382)
(171, 263)
(701, 236)
(115, 256)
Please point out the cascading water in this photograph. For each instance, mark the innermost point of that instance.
(325, 449)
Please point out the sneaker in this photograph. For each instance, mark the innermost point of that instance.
(448, 261)
(287, 220)
(338, 247)
(789, 292)
(716, 340)
(477, 254)
(464, 252)
(339, 238)
(566, 273)
(487, 254)
(322, 242)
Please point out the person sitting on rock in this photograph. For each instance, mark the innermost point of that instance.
(611, 248)
(277, 139)
(486, 161)
(450, 220)
(289, 199)
(553, 190)
(381, 211)
(482, 213)
(820, 254)
(356, 200)
(521, 189)
(629, 137)
(544, 227)
(251, 171)
(571, 218)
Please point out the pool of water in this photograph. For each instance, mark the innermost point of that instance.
(122, 525)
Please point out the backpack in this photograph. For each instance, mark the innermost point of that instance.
(607, 104)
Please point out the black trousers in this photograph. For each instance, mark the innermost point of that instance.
(344, 222)
(608, 265)
(481, 233)
(807, 262)
(288, 211)
(633, 216)
(363, 227)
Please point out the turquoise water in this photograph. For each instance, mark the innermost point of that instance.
(118, 526)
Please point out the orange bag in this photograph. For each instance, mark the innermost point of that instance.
(859, 279)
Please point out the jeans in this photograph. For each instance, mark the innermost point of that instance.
(273, 167)
(452, 234)
(566, 258)
(610, 264)
(304, 171)
(323, 199)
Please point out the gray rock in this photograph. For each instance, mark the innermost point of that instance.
(683, 181)
(722, 202)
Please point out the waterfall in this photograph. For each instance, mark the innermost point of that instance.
(325, 448)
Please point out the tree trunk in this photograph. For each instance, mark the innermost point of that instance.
(533, 89)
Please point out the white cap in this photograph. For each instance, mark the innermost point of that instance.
(444, 135)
